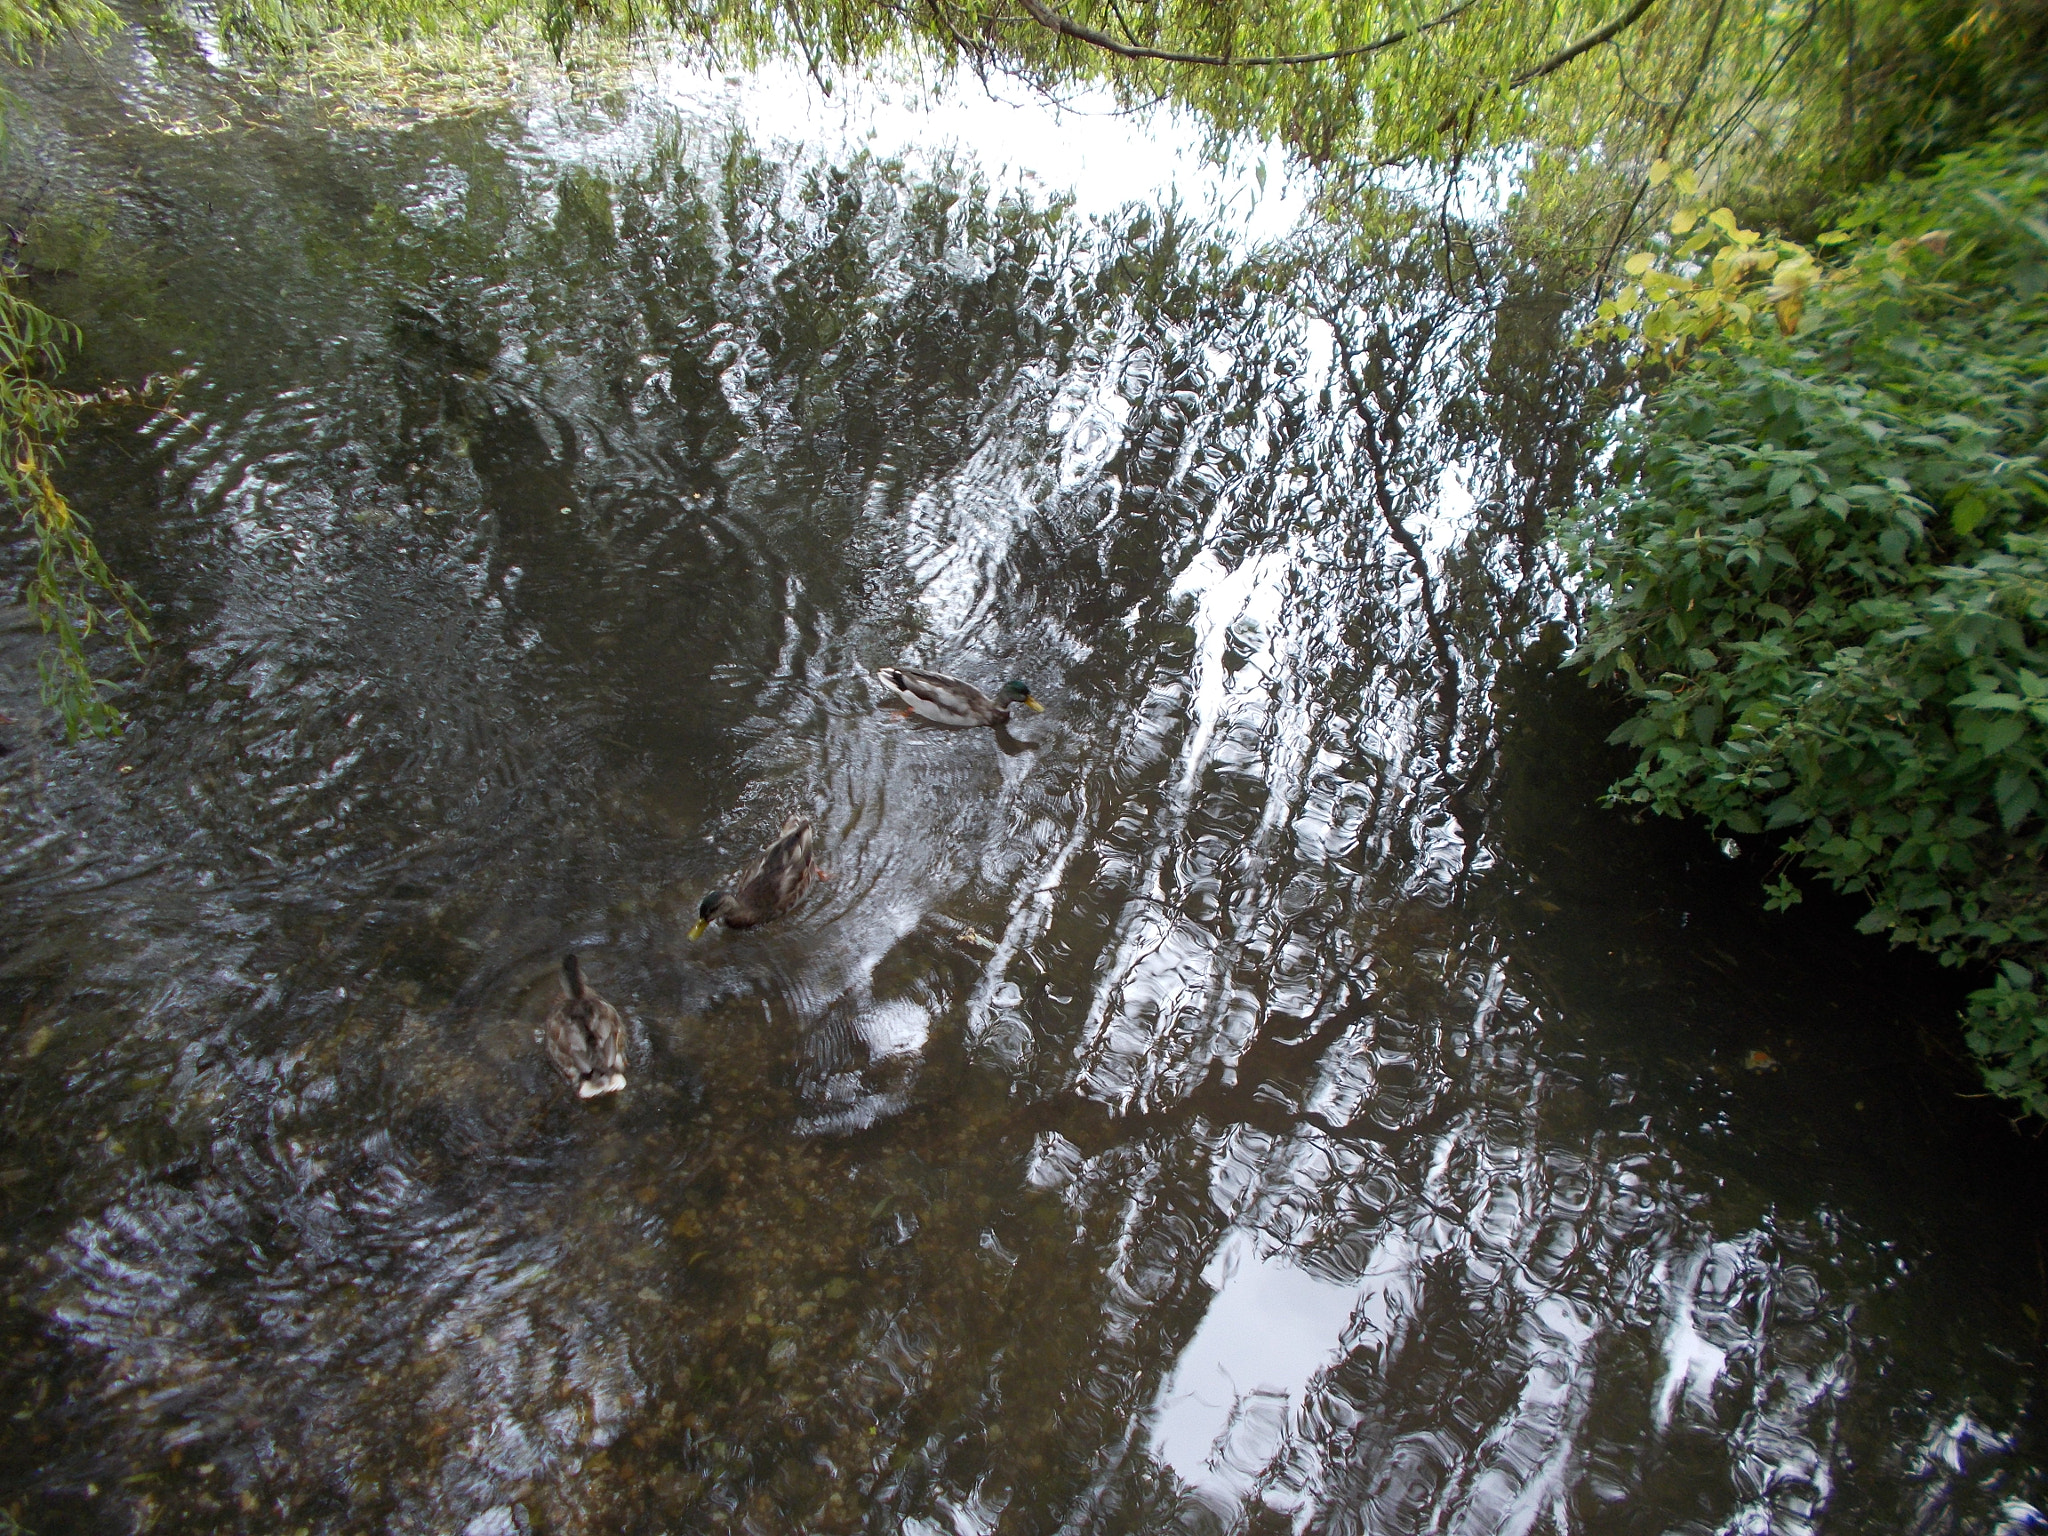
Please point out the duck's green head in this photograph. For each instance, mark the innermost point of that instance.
(1017, 691)
(707, 911)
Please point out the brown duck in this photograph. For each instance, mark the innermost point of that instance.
(769, 887)
(585, 1037)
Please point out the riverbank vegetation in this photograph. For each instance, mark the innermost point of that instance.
(1820, 566)
(71, 591)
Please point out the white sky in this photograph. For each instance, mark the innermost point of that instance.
(1104, 157)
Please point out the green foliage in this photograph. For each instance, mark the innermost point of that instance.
(1785, 101)
(1821, 572)
(1949, 75)
(1707, 275)
(289, 26)
(26, 25)
(71, 592)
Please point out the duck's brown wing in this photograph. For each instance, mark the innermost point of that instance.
(567, 1041)
(779, 877)
(949, 696)
(608, 1040)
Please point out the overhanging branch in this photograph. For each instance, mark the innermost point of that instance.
(1551, 65)
(1053, 21)
(1586, 44)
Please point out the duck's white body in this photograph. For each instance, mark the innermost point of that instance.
(946, 700)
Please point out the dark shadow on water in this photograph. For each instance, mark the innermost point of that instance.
(1663, 972)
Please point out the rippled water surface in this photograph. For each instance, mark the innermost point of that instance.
(1261, 1092)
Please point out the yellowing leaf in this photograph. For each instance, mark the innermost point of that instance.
(1723, 219)
(1686, 183)
(1682, 222)
(1834, 237)
(1788, 312)
(1660, 172)
(1638, 264)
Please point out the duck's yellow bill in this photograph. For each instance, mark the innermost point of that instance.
(1036, 705)
(697, 932)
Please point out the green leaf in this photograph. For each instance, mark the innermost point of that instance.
(2000, 733)
(1968, 513)
(2017, 796)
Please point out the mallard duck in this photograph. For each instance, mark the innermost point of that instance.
(948, 701)
(770, 886)
(586, 1038)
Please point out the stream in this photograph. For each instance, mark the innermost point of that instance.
(1264, 1092)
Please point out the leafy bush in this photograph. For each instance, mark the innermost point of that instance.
(1821, 569)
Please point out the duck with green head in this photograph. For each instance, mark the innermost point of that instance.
(947, 701)
(769, 886)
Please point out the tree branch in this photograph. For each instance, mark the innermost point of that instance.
(1555, 62)
(967, 49)
(1053, 21)
(1586, 44)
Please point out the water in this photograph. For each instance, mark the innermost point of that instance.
(1264, 1091)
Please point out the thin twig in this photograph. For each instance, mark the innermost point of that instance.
(1130, 33)
(1551, 65)
(1586, 44)
(959, 42)
(1067, 27)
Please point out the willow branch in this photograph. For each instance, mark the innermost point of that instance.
(1555, 62)
(1586, 44)
(1065, 26)
(959, 42)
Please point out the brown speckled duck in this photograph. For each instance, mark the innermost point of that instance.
(585, 1037)
(770, 886)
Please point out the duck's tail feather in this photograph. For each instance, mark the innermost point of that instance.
(572, 975)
